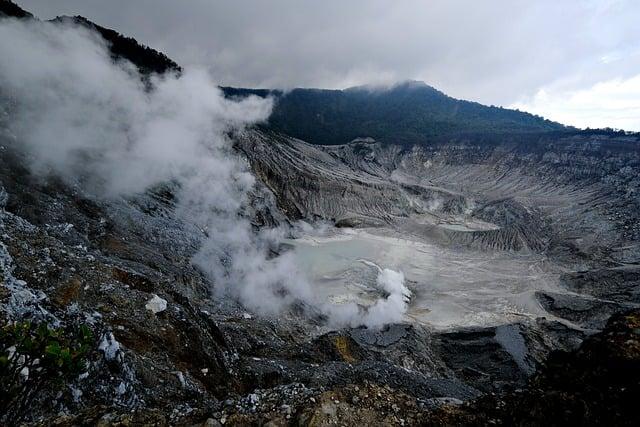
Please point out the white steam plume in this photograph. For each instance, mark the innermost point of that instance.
(94, 123)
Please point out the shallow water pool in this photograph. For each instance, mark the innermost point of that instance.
(451, 288)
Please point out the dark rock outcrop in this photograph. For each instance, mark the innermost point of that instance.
(595, 385)
(9, 8)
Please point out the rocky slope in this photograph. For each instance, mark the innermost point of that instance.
(69, 259)
(573, 199)
(165, 350)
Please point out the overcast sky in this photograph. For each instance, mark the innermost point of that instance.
(575, 61)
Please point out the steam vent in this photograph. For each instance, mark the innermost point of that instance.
(179, 249)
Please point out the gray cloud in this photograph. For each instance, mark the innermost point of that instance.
(495, 52)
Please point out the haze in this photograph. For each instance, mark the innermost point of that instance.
(575, 61)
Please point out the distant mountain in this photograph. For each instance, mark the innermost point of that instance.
(407, 113)
(147, 60)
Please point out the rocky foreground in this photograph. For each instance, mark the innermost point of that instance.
(105, 320)
(163, 351)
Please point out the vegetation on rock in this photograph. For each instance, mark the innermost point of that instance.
(35, 357)
(409, 113)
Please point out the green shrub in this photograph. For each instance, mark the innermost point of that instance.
(35, 358)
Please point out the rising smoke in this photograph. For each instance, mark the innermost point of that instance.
(95, 123)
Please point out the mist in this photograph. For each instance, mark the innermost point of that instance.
(97, 125)
(493, 52)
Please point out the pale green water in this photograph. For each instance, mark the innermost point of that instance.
(452, 288)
